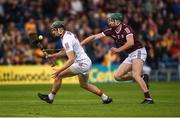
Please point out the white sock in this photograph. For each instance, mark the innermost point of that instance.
(104, 97)
(51, 96)
(148, 98)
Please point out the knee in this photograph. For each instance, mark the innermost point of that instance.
(135, 75)
(56, 80)
(117, 77)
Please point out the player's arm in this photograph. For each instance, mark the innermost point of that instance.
(69, 62)
(127, 45)
(92, 37)
(60, 53)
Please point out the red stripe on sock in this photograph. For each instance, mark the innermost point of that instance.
(100, 93)
(53, 92)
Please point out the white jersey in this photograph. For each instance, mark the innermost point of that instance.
(71, 43)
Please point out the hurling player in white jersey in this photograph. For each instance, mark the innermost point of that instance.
(78, 63)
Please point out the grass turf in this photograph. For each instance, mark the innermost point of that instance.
(22, 100)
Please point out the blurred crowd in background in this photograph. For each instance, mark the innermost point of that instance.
(156, 23)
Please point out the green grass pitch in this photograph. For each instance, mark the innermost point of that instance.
(71, 100)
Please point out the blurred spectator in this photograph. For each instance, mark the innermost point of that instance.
(30, 26)
(99, 51)
(175, 50)
(77, 6)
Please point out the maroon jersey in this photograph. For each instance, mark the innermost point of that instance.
(120, 37)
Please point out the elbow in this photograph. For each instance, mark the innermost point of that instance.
(132, 43)
(71, 61)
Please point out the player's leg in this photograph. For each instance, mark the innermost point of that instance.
(57, 81)
(56, 86)
(92, 88)
(137, 66)
(122, 72)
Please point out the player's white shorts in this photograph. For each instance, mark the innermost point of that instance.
(137, 54)
(81, 67)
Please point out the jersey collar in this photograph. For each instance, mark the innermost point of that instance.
(118, 29)
(63, 35)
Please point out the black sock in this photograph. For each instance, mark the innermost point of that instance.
(147, 95)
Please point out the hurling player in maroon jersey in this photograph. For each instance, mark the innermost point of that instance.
(126, 41)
